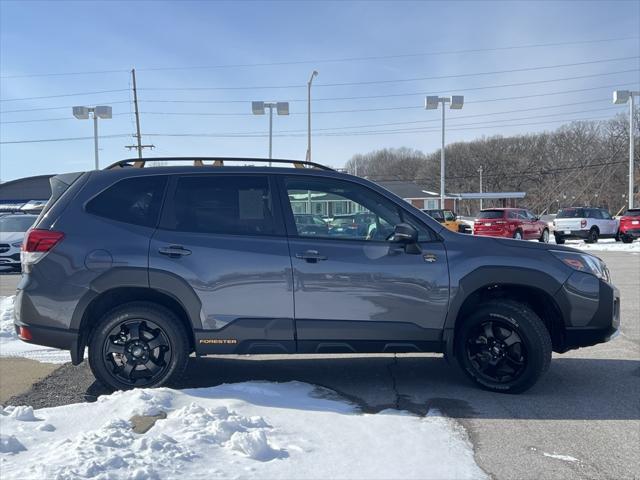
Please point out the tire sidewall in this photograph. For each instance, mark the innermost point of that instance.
(535, 360)
(163, 318)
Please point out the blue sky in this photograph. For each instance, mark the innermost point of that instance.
(164, 40)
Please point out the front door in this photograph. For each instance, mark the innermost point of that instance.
(353, 290)
(224, 236)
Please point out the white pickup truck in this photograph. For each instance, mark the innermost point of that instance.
(587, 223)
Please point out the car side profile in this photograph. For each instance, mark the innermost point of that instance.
(586, 223)
(518, 223)
(145, 266)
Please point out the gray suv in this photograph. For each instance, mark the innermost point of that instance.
(145, 266)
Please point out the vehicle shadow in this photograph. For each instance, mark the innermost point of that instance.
(574, 388)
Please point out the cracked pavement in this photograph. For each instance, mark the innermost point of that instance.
(582, 420)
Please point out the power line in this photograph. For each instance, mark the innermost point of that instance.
(68, 139)
(50, 119)
(401, 80)
(58, 108)
(331, 60)
(64, 95)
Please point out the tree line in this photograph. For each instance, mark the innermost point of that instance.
(580, 163)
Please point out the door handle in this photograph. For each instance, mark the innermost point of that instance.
(174, 251)
(311, 256)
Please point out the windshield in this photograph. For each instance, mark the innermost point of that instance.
(571, 213)
(491, 214)
(449, 216)
(16, 224)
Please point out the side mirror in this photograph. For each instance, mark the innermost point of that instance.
(404, 233)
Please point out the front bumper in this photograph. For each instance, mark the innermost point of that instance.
(591, 309)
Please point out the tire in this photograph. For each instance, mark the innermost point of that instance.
(544, 238)
(155, 356)
(626, 238)
(593, 236)
(559, 239)
(517, 235)
(519, 364)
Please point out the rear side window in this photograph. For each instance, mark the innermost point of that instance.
(134, 200)
(571, 213)
(223, 204)
(491, 214)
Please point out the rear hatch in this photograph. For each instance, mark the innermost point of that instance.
(490, 221)
(569, 219)
(631, 219)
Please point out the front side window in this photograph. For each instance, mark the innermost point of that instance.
(222, 204)
(134, 200)
(353, 211)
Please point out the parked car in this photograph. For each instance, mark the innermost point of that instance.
(12, 232)
(630, 225)
(146, 265)
(548, 219)
(518, 223)
(587, 223)
(352, 225)
(311, 224)
(449, 220)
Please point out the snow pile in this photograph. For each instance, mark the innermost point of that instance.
(603, 245)
(255, 430)
(12, 346)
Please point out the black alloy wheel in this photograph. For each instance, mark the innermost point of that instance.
(138, 351)
(496, 351)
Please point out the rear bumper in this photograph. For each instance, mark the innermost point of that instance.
(52, 337)
(630, 232)
(493, 233)
(558, 232)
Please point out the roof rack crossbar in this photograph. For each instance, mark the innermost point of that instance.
(214, 161)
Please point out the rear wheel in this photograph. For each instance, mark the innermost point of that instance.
(503, 346)
(517, 235)
(592, 237)
(559, 239)
(139, 344)
(626, 238)
(544, 238)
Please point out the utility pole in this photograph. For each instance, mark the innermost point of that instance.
(621, 97)
(480, 170)
(139, 145)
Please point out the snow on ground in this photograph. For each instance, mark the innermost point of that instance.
(245, 430)
(603, 245)
(12, 346)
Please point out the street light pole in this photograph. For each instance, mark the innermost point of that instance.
(480, 187)
(431, 103)
(313, 75)
(282, 108)
(621, 97)
(95, 139)
(270, 131)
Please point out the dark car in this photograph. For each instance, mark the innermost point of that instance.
(518, 223)
(145, 266)
(311, 224)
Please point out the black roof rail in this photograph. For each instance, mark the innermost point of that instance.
(215, 162)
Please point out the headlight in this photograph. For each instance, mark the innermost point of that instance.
(16, 244)
(584, 262)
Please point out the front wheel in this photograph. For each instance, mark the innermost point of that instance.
(139, 344)
(517, 235)
(592, 237)
(503, 346)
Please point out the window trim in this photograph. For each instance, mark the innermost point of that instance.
(172, 185)
(167, 181)
(292, 230)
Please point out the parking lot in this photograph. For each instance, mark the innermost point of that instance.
(582, 420)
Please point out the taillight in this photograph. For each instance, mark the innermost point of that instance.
(583, 223)
(37, 243)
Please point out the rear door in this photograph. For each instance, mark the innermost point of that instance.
(353, 290)
(223, 234)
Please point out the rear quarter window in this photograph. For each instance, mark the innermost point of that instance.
(134, 200)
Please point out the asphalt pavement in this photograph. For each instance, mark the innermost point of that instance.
(582, 419)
